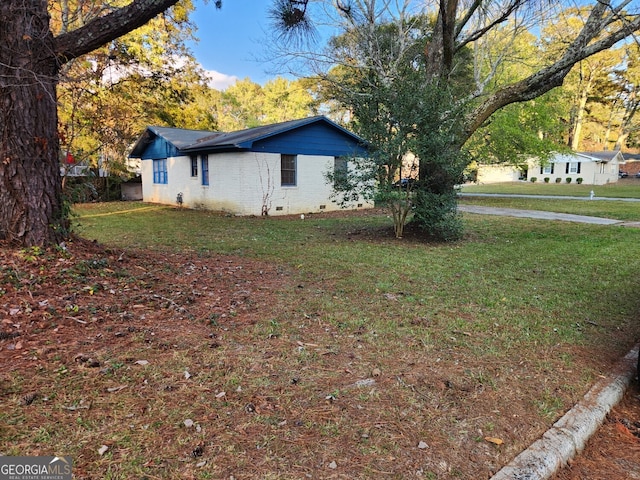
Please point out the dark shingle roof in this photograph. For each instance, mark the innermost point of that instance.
(189, 141)
(244, 139)
(605, 155)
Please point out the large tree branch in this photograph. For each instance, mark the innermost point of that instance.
(104, 29)
(553, 76)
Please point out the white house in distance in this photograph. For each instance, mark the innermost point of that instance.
(594, 168)
(275, 169)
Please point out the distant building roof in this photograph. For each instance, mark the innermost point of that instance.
(604, 155)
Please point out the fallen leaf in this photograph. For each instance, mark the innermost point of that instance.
(494, 440)
(102, 450)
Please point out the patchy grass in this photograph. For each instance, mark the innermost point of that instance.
(623, 188)
(197, 345)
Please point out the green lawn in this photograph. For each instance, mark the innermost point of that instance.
(547, 276)
(624, 188)
(602, 205)
(282, 348)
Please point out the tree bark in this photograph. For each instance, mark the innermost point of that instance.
(32, 211)
(31, 208)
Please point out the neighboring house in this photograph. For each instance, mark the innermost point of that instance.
(631, 164)
(275, 169)
(497, 173)
(594, 168)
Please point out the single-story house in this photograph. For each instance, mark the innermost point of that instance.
(497, 173)
(594, 168)
(274, 169)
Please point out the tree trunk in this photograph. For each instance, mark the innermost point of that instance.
(583, 96)
(31, 209)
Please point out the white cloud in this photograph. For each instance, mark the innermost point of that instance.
(220, 81)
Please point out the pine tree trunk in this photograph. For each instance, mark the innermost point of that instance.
(30, 183)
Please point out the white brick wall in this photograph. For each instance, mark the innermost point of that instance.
(239, 181)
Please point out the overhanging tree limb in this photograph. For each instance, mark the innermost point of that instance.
(104, 29)
(553, 76)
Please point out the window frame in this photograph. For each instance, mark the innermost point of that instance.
(204, 163)
(194, 166)
(160, 174)
(574, 168)
(340, 170)
(288, 170)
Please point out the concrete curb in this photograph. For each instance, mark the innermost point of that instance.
(569, 435)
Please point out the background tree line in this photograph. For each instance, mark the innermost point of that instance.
(148, 77)
(445, 81)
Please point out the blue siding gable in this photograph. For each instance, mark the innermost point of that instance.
(314, 139)
(159, 148)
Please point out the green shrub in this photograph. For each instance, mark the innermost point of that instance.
(546, 179)
(558, 180)
(568, 179)
(436, 214)
(579, 180)
(533, 179)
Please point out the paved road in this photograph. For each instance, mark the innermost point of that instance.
(512, 212)
(543, 215)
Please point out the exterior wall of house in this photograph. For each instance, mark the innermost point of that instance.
(497, 174)
(592, 172)
(244, 183)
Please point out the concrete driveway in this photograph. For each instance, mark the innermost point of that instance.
(512, 212)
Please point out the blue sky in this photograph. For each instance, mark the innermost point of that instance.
(231, 39)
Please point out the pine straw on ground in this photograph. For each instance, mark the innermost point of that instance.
(142, 364)
(613, 453)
